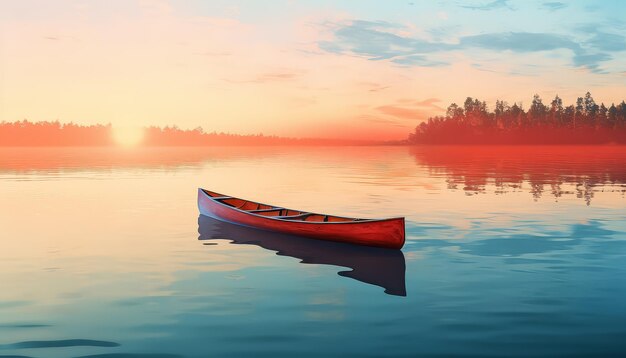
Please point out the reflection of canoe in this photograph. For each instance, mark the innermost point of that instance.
(387, 233)
(372, 265)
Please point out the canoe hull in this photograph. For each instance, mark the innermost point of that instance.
(388, 233)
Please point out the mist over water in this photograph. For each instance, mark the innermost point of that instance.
(511, 251)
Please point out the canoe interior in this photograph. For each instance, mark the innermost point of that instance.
(275, 211)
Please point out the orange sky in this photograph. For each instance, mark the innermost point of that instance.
(358, 69)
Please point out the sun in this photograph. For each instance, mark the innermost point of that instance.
(128, 136)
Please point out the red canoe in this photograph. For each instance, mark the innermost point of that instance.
(387, 233)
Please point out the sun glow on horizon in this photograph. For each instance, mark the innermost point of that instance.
(341, 70)
(128, 136)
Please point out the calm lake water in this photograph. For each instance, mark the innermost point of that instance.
(511, 251)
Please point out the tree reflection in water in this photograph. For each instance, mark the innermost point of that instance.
(559, 170)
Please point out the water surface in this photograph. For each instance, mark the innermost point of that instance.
(511, 251)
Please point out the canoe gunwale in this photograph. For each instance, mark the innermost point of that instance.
(290, 219)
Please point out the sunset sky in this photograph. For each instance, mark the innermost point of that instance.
(360, 69)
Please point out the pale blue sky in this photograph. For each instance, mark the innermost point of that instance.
(283, 67)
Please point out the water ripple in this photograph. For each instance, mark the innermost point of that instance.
(59, 344)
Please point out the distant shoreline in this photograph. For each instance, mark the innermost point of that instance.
(408, 145)
(478, 129)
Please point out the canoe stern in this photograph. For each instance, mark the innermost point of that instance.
(387, 233)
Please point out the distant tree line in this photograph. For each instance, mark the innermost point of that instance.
(174, 136)
(586, 122)
(25, 133)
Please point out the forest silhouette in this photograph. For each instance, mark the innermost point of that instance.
(25, 133)
(42, 134)
(586, 122)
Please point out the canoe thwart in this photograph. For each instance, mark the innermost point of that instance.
(388, 233)
(264, 210)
